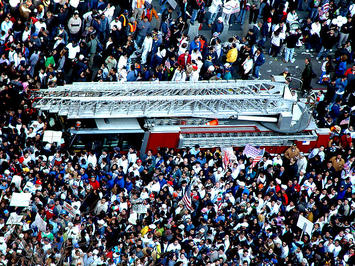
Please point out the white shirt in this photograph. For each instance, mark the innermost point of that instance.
(292, 18)
(74, 3)
(92, 159)
(132, 157)
(39, 25)
(116, 23)
(73, 50)
(122, 62)
(231, 7)
(315, 28)
(214, 8)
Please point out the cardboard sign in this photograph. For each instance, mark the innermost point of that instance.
(305, 224)
(40, 223)
(14, 218)
(52, 136)
(20, 199)
(172, 3)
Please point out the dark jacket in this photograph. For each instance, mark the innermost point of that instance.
(260, 60)
(307, 72)
(329, 41)
(292, 39)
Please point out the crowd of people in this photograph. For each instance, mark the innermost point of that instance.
(110, 207)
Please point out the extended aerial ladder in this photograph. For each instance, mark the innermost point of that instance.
(166, 99)
(166, 105)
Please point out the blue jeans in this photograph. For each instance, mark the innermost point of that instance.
(262, 41)
(337, 97)
(256, 71)
(194, 16)
(289, 54)
(93, 4)
(241, 16)
(300, 5)
(262, 5)
(139, 40)
(313, 14)
(212, 18)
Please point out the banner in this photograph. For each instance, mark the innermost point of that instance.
(69, 208)
(228, 156)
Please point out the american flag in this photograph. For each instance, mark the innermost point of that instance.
(324, 8)
(186, 199)
(52, 162)
(254, 153)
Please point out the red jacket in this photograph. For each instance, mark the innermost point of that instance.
(349, 71)
(95, 185)
(49, 212)
(181, 60)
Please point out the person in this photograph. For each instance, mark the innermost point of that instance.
(218, 26)
(213, 10)
(74, 26)
(232, 54)
(345, 30)
(292, 17)
(328, 42)
(143, 28)
(307, 76)
(275, 43)
(230, 7)
(254, 10)
(259, 60)
(291, 42)
(138, 8)
(147, 48)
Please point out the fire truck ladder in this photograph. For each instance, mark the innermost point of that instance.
(220, 139)
(210, 99)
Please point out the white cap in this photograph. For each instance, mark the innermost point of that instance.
(211, 68)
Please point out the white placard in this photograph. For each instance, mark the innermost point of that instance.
(20, 199)
(172, 3)
(52, 136)
(14, 218)
(305, 224)
(40, 223)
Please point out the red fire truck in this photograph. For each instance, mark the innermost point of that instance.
(152, 115)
